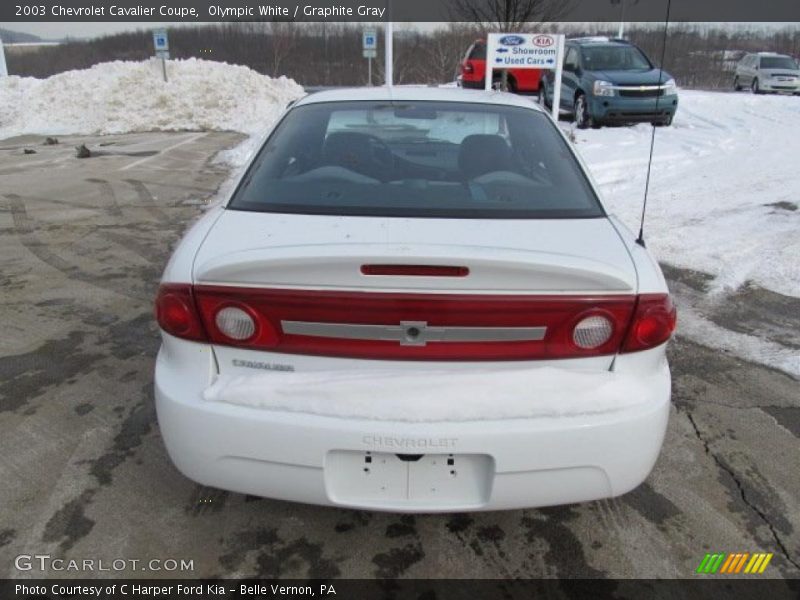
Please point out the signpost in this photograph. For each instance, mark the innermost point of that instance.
(370, 48)
(526, 51)
(161, 44)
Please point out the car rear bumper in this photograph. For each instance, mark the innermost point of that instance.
(465, 465)
(473, 84)
(629, 110)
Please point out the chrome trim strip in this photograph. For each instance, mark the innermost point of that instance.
(414, 333)
(636, 88)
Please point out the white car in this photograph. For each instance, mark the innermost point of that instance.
(414, 301)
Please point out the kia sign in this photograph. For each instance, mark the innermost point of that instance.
(526, 51)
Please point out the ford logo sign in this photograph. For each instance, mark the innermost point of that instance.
(512, 40)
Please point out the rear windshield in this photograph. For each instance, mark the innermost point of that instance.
(418, 159)
(778, 62)
(477, 52)
(614, 58)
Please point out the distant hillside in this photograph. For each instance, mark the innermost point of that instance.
(17, 37)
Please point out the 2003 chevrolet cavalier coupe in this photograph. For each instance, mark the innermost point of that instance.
(414, 300)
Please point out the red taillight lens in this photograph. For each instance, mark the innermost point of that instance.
(176, 313)
(468, 68)
(653, 322)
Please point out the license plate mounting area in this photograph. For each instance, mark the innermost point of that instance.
(384, 479)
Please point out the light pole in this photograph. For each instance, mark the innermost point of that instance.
(387, 53)
(3, 68)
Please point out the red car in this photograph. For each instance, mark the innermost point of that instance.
(473, 71)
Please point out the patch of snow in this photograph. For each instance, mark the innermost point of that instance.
(431, 396)
(716, 174)
(124, 97)
(748, 347)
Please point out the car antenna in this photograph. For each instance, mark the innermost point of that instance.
(640, 239)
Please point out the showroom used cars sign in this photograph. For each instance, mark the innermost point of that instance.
(526, 51)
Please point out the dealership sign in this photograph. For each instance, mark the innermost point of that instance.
(526, 51)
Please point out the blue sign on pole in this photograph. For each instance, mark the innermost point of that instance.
(160, 40)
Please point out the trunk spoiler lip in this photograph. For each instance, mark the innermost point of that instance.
(275, 263)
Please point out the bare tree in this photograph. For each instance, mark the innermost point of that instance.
(510, 15)
(283, 38)
(445, 49)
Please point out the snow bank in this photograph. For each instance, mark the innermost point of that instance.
(721, 175)
(430, 396)
(122, 97)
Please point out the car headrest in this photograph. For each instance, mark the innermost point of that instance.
(348, 149)
(483, 153)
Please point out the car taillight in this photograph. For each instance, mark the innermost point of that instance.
(409, 326)
(468, 68)
(592, 332)
(653, 322)
(235, 323)
(176, 312)
(233, 318)
(446, 326)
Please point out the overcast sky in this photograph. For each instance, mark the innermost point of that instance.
(54, 30)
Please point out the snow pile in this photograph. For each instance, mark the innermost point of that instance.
(429, 396)
(123, 97)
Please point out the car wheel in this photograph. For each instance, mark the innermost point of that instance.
(581, 112)
(512, 85)
(542, 97)
(754, 87)
(499, 85)
(736, 85)
(666, 122)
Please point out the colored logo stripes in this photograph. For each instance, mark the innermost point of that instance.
(733, 563)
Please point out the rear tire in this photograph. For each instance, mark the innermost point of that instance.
(542, 96)
(581, 111)
(510, 85)
(737, 87)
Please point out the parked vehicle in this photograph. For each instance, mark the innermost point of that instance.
(473, 73)
(765, 72)
(414, 301)
(612, 81)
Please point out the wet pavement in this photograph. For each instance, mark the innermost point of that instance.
(85, 473)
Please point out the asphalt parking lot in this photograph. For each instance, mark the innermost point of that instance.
(85, 475)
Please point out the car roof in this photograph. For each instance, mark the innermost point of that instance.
(418, 94)
(598, 41)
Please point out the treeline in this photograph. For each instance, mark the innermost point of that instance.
(329, 54)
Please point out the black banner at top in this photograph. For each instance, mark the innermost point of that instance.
(209, 11)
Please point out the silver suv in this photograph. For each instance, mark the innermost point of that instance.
(768, 72)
